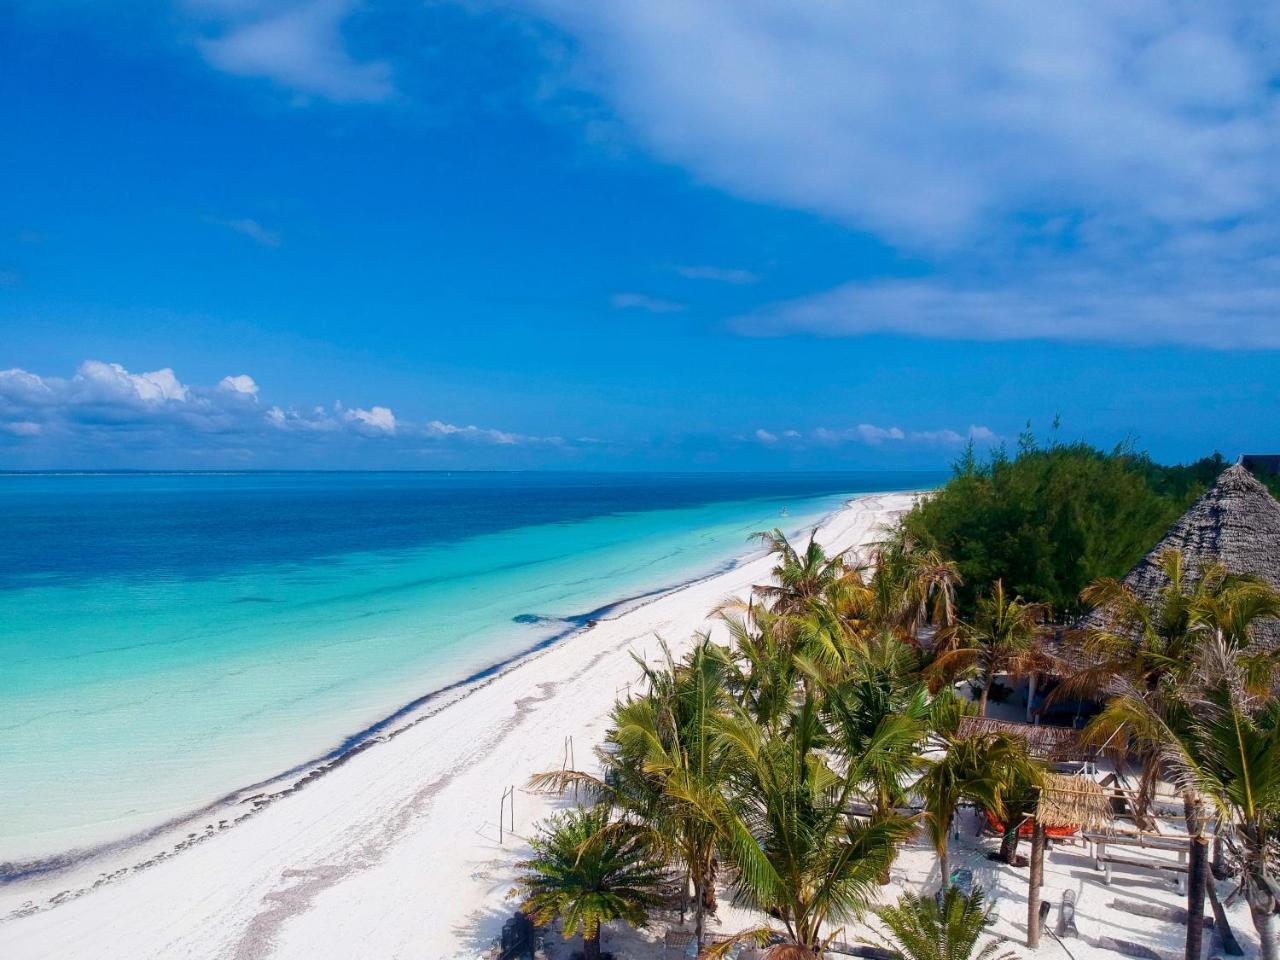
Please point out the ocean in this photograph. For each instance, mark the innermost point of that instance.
(168, 638)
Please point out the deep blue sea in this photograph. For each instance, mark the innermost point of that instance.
(167, 638)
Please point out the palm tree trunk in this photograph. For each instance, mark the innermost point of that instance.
(709, 887)
(1146, 795)
(1221, 928)
(684, 894)
(986, 693)
(1219, 863)
(1267, 923)
(944, 866)
(591, 946)
(1196, 878)
(1009, 843)
(1036, 878)
(699, 907)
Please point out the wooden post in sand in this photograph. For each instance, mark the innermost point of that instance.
(1197, 874)
(1035, 880)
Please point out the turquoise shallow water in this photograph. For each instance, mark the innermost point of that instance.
(170, 638)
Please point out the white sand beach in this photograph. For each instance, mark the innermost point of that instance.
(394, 852)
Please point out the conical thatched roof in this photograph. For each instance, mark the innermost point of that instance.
(1236, 523)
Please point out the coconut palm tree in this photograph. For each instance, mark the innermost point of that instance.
(980, 768)
(926, 928)
(659, 750)
(761, 669)
(587, 875)
(1004, 638)
(800, 576)
(911, 587)
(883, 685)
(1227, 750)
(1150, 651)
(796, 852)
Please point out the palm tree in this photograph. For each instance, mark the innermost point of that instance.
(982, 768)
(883, 685)
(1148, 654)
(1154, 661)
(1003, 639)
(797, 853)
(801, 577)
(659, 750)
(587, 875)
(1020, 798)
(761, 669)
(911, 587)
(1228, 751)
(925, 928)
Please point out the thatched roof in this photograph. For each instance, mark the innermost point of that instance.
(1047, 742)
(1236, 523)
(1073, 802)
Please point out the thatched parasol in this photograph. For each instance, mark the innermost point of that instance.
(1073, 802)
(1235, 523)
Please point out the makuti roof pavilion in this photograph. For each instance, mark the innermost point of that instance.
(1235, 523)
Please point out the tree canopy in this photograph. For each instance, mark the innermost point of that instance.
(1052, 518)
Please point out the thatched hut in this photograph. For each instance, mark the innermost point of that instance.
(1236, 523)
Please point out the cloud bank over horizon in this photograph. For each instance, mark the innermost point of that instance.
(103, 407)
(106, 415)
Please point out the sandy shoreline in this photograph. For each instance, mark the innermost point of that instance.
(394, 852)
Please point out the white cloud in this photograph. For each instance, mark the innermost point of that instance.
(251, 229)
(375, 419)
(436, 428)
(242, 383)
(111, 381)
(944, 438)
(1178, 303)
(917, 122)
(1089, 170)
(297, 45)
(718, 274)
(872, 435)
(640, 301)
(767, 438)
(103, 405)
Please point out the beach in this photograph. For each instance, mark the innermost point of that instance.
(394, 849)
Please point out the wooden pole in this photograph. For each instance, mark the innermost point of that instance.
(1035, 880)
(1197, 872)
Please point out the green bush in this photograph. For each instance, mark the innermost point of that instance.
(1053, 518)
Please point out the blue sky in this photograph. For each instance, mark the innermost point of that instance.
(731, 234)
